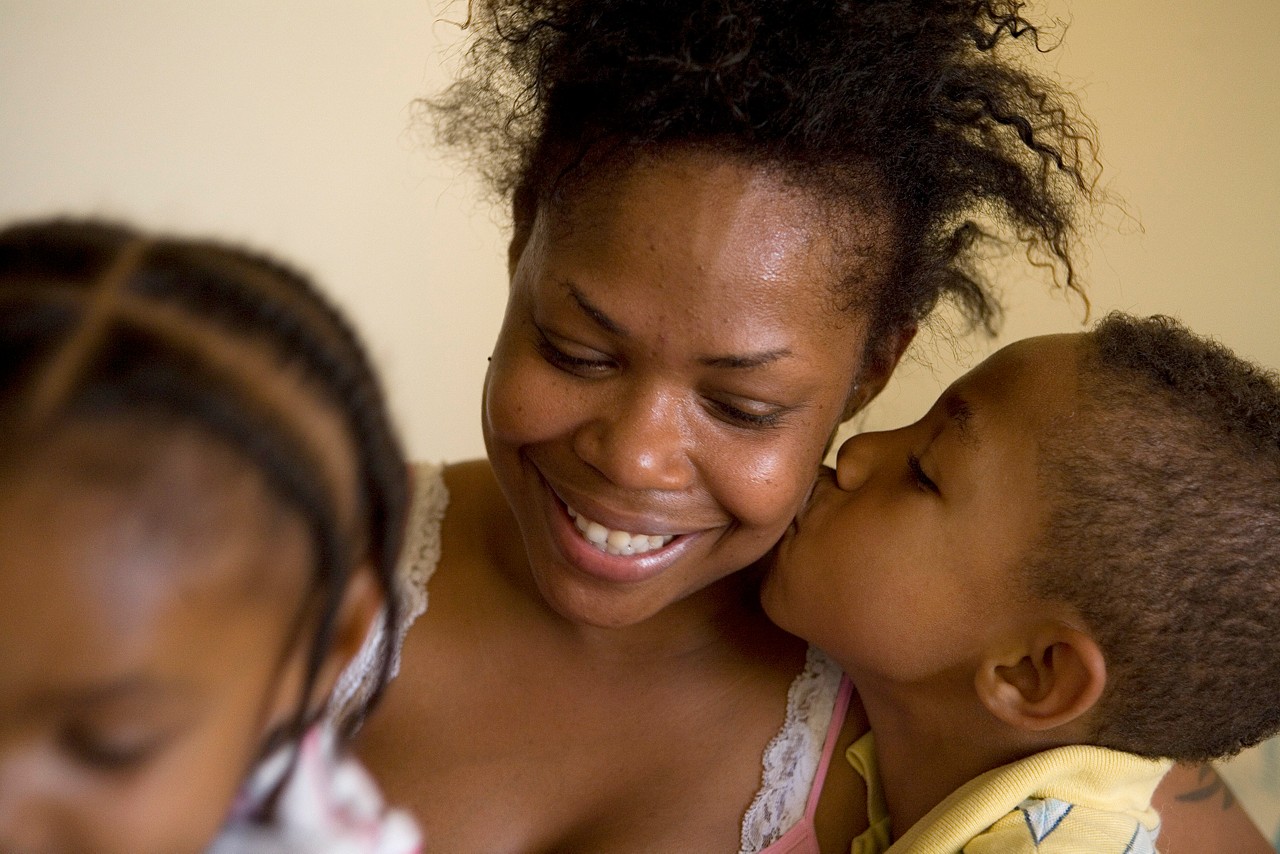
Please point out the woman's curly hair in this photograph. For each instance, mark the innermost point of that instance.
(912, 99)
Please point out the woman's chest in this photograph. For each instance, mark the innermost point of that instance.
(495, 760)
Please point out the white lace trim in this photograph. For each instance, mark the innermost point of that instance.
(417, 564)
(791, 758)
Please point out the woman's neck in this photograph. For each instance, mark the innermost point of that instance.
(721, 621)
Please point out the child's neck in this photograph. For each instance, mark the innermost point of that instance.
(929, 742)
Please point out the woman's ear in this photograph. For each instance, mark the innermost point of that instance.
(515, 248)
(880, 364)
(1051, 680)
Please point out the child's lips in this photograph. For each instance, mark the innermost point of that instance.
(826, 479)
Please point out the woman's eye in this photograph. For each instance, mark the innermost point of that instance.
(917, 472)
(567, 362)
(109, 752)
(741, 417)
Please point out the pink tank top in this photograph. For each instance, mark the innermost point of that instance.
(802, 837)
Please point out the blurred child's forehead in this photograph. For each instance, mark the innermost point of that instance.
(118, 540)
(175, 498)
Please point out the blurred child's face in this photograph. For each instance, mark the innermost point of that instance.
(904, 564)
(147, 622)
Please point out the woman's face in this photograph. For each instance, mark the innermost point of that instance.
(671, 366)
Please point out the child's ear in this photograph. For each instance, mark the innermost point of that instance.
(1052, 679)
(361, 606)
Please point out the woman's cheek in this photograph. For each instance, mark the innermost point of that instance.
(526, 401)
(770, 485)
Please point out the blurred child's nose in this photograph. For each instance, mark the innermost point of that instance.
(26, 823)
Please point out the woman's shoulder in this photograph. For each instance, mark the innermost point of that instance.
(450, 516)
(444, 530)
(461, 532)
(471, 486)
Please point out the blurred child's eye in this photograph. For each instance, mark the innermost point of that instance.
(917, 471)
(110, 751)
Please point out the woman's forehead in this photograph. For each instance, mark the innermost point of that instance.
(703, 220)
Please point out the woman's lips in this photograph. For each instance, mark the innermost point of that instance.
(613, 541)
(613, 555)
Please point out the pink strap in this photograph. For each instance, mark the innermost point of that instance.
(802, 837)
(829, 746)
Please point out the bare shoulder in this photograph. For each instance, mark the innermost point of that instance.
(474, 496)
(1198, 813)
(432, 654)
(415, 740)
(842, 805)
(481, 547)
(470, 482)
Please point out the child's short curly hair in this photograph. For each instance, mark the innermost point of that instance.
(1165, 534)
(910, 107)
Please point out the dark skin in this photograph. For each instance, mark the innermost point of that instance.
(536, 745)
(1199, 813)
(605, 703)
(556, 699)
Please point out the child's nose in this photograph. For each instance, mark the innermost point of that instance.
(856, 459)
(25, 820)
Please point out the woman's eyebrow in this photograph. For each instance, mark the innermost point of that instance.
(737, 360)
(594, 312)
(745, 360)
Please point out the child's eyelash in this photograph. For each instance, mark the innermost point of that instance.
(105, 755)
(917, 471)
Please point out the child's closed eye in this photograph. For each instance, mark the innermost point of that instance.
(917, 472)
(112, 750)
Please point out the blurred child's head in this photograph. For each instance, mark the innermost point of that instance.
(201, 501)
(1083, 535)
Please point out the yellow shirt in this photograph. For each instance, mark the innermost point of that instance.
(1078, 799)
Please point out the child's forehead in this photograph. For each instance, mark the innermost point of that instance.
(170, 502)
(130, 561)
(1036, 369)
(1026, 389)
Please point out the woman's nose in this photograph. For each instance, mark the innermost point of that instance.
(640, 440)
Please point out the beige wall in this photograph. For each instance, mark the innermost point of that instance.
(287, 124)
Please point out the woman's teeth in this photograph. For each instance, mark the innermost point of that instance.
(616, 542)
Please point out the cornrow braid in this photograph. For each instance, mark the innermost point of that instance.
(96, 321)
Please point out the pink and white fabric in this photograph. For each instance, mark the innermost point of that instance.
(329, 805)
